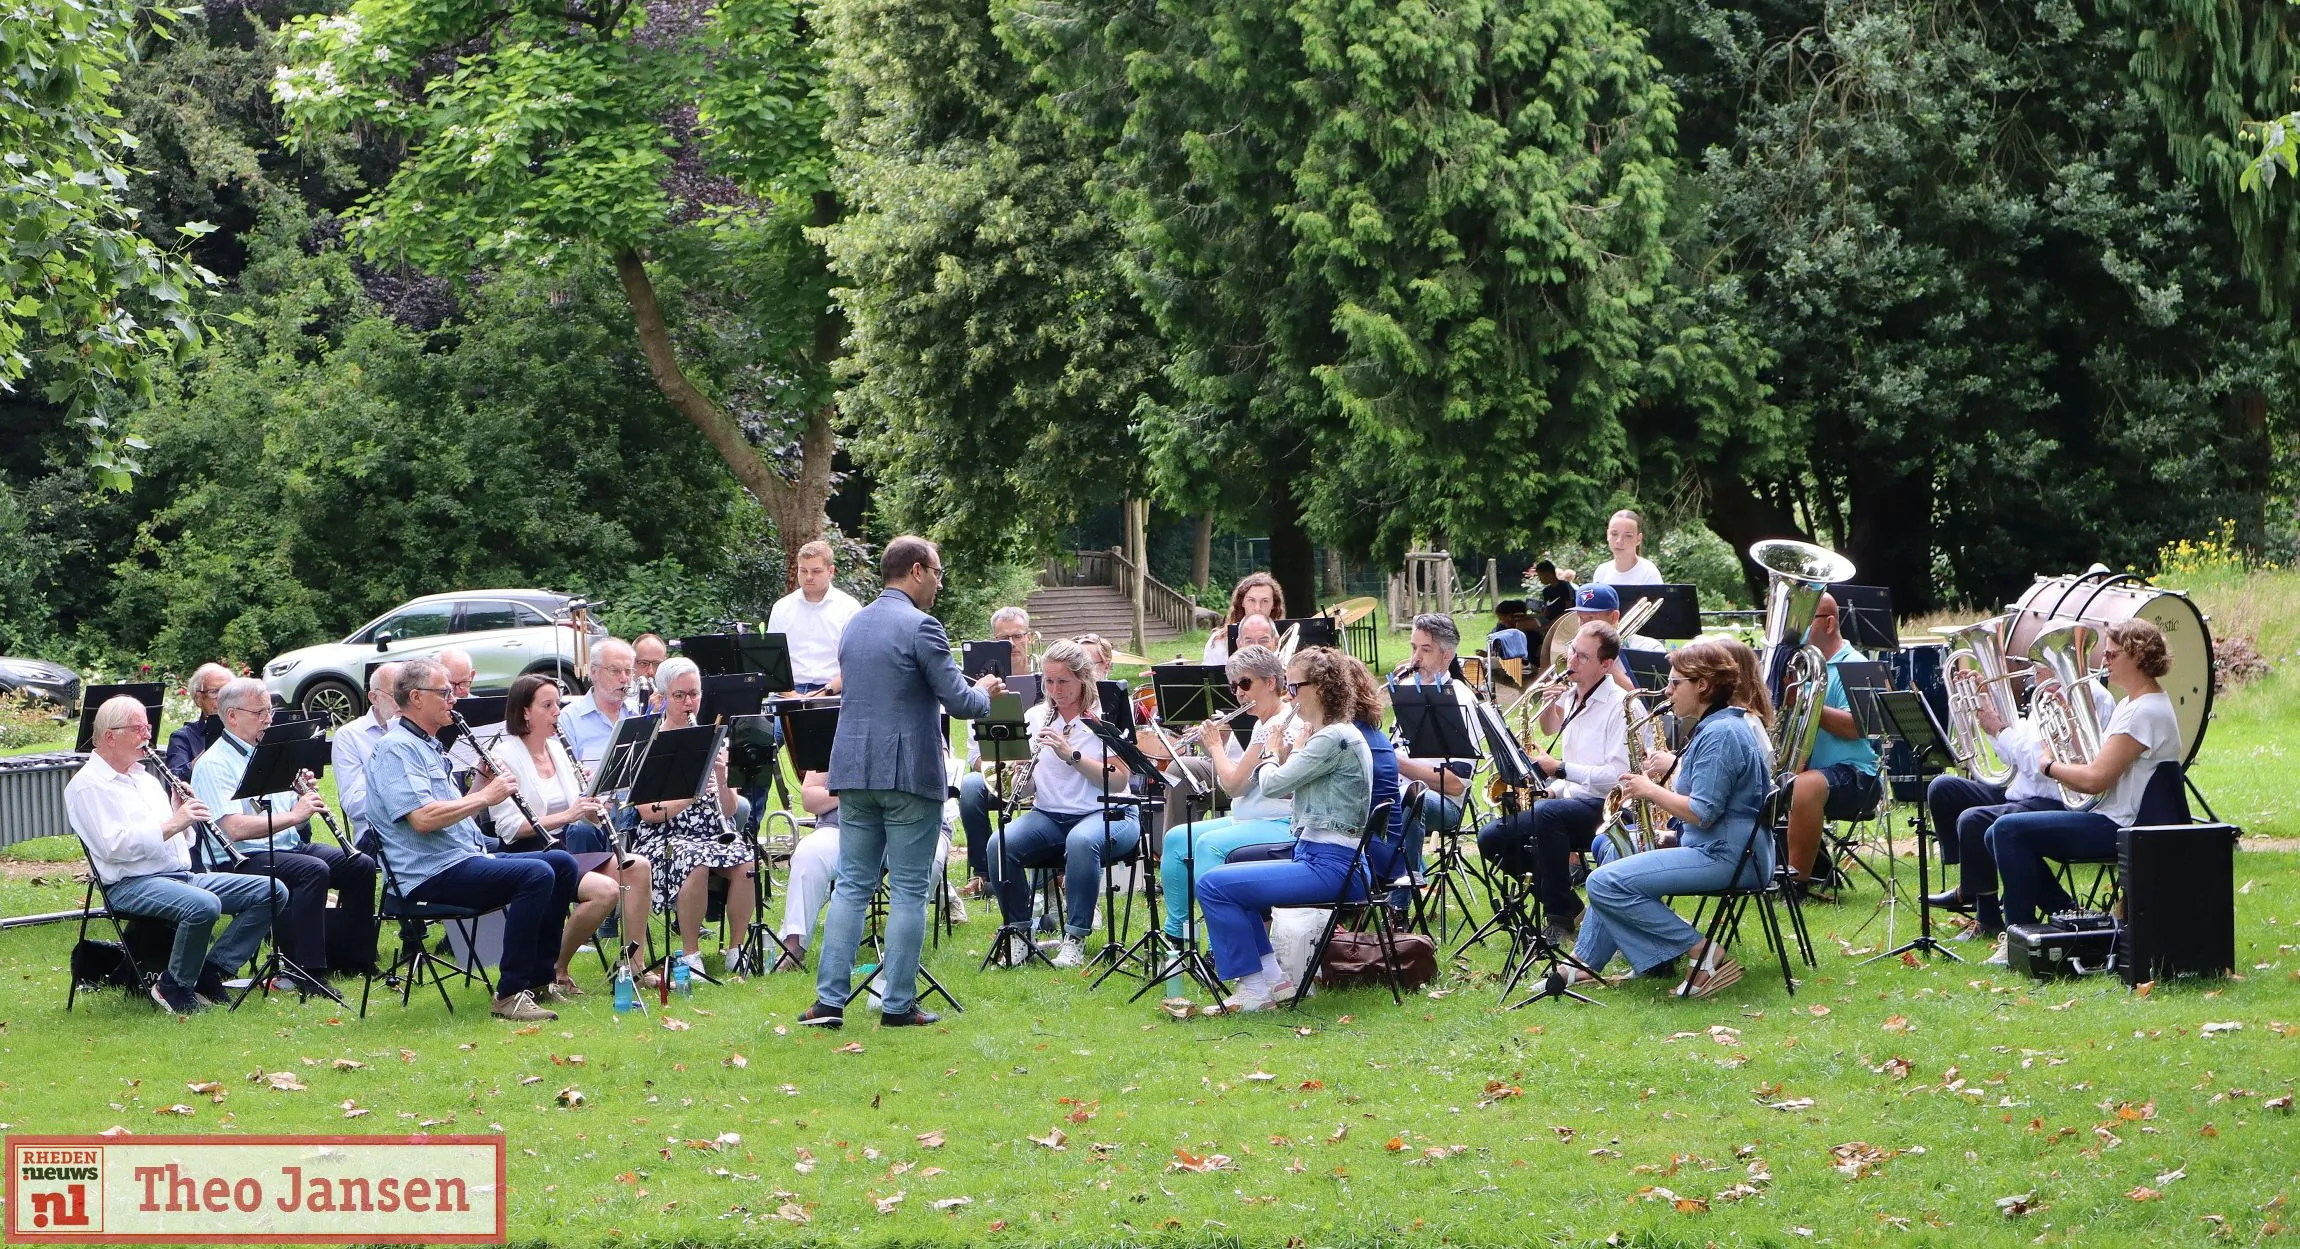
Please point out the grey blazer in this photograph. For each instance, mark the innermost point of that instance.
(895, 670)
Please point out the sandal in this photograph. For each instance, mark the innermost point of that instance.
(1713, 974)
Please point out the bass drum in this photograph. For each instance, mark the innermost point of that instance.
(2100, 598)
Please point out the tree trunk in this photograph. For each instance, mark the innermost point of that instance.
(1202, 550)
(1292, 561)
(796, 507)
(1333, 574)
(1891, 535)
(1741, 516)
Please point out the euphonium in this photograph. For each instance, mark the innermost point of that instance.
(1975, 674)
(1797, 673)
(2059, 706)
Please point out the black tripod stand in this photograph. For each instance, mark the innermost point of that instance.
(1001, 738)
(1912, 721)
(271, 770)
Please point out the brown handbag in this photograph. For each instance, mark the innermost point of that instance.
(1356, 958)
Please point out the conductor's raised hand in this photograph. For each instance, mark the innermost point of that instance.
(990, 683)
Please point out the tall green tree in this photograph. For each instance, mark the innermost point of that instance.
(87, 303)
(673, 145)
(1397, 250)
(998, 351)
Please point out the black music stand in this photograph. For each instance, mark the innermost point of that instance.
(1648, 670)
(1862, 681)
(676, 766)
(1677, 619)
(1026, 688)
(1003, 737)
(1516, 771)
(1911, 720)
(1865, 616)
(1117, 705)
(1185, 694)
(1116, 735)
(809, 731)
(272, 769)
(149, 693)
(718, 654)
(1435, 727)
(994, 657)
(611, 785)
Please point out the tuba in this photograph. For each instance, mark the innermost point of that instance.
(2059, 706)
(1975, 674)
(1797, 673)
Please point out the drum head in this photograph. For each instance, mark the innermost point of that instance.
(2102, 601)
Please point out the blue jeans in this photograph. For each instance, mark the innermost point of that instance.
(534, 890)
(1196, 849)
(1084, 843)
(1235, 897)
(880, 831)
(1947, 798)
(192, 901)
(1626, 914)
(2022, 841)
(1976, 863)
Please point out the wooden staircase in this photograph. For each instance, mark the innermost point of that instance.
(1067, 611)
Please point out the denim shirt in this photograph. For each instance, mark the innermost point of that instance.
(409, 770)
(1724, 774)
(1331, 780)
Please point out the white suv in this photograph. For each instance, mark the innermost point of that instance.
(508, 633)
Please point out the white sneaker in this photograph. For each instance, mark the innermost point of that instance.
(956, 911)
(694, 963)
(738, 962)
(1071, 954)
(1999, 957)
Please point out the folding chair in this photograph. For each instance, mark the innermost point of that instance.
(416, 958)
(2163, 804)
(1367, 902)
(95, 964)
(1778, 888)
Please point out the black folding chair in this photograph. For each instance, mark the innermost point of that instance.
(2163, 804)
(1776, 889)
(416, 960)
(101, 964)
(1372, 902)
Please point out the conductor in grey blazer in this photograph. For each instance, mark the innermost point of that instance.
(887, 767)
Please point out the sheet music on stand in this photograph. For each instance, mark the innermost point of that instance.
(1509, 758)
(149, 693)
(1433, 723)
(619, 761)
(1909, 717)
(1862, 682)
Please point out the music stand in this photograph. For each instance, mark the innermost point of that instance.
(1003, 737)
(1863, 681)
(272, 769)
(1677, 619)
(977, 658)
(732, 694)
(809, 730)
(149, 693)
(1026, 688)
(1186, 694)
(1865, 616)
(1117, 705)
(480, 711)
(1648, 670)
(722, 654)
(675, 768)
(1911, 720)
(1434, 726)
(1116, 733)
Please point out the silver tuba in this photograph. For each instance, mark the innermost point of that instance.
(1797, 674)
(1975, 673)
(2058, 704)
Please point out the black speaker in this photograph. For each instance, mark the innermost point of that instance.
(2179, 901)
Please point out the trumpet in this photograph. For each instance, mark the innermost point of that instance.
(488, 769)
(304, 784)
(183, 792)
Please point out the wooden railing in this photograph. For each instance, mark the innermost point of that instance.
(1112, 568)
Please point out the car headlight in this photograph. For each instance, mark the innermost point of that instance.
(281, 668)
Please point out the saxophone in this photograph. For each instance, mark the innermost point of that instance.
(1620, 811)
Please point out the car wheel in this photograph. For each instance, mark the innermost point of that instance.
(336, 700)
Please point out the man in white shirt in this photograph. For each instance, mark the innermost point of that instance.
(1599, 603)
(1625, 537)
(1963, 810)
(354, 742)
(1592, 728)
(140, 846)
(812, 618)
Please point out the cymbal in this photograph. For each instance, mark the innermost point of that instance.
(1351, 611)
(1129, 658)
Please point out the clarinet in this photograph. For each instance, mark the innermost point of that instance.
(305, 785)
(183, 792)
(487, 768)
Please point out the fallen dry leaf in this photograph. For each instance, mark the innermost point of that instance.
(931, 1140)
(886, 1205)
(570, 1097)
(2144, 1193)
(524, 1080)
(178, 1109)
(737, 1061)
(953, 1203)
(791, 1212)
(2015, 1207)
(671, 1024)
(1052, 1140)
(1899, 1023)
(284, 1082)
(1184, 1160)
(851, 1047)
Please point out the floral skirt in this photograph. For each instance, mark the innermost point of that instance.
(686, 854)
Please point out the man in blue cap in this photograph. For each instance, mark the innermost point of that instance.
(1601, 602)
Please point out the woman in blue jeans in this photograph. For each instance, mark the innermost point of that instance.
(1330, 779)
(1071, 773)
(1721, 781)
(1194, 848)
(2144, 731)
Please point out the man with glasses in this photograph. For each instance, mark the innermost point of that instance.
(1840, 778)
(888, 769)
(354, 742)
(139, 844)
(273, 832)
(186, 743)
(590, 719)
(1433, 787)
(437, 855)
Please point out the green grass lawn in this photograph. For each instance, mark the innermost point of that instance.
(1878, 1104)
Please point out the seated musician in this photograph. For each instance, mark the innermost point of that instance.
(2143, 733)
(589, 718)
(648, 651)
(1748, 695)
(274, 833)
(1386, 854)
(1625, 538)
(1601, 602)
(1256, 818)
(1010, 625)
(140, 846)
(1072, 772)
(461, 672)
(1256, 594)
(1963, 810)
(1433, 787)
(552, 786)
(353, 743)
(193, 738)
(695, 838)
(436, 854)
(1513, 624)
(1329, 777)
(1100, 652)
(1592, 730)
(1840, 778)
(815, 869)
(1719, 785)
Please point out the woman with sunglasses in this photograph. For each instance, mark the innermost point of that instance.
(1256, 818)
(697, 840)
(1330, 778)
(1720, 784)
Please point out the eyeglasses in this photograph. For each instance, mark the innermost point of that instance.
(1009, 637)
(1295, 687)
(684, 694)
(441, 690)
(249, 711)
(1675, 680)
(1242, 684)
(936, 569)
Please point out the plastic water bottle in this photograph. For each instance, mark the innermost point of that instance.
(682, 978)
(626, 991)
